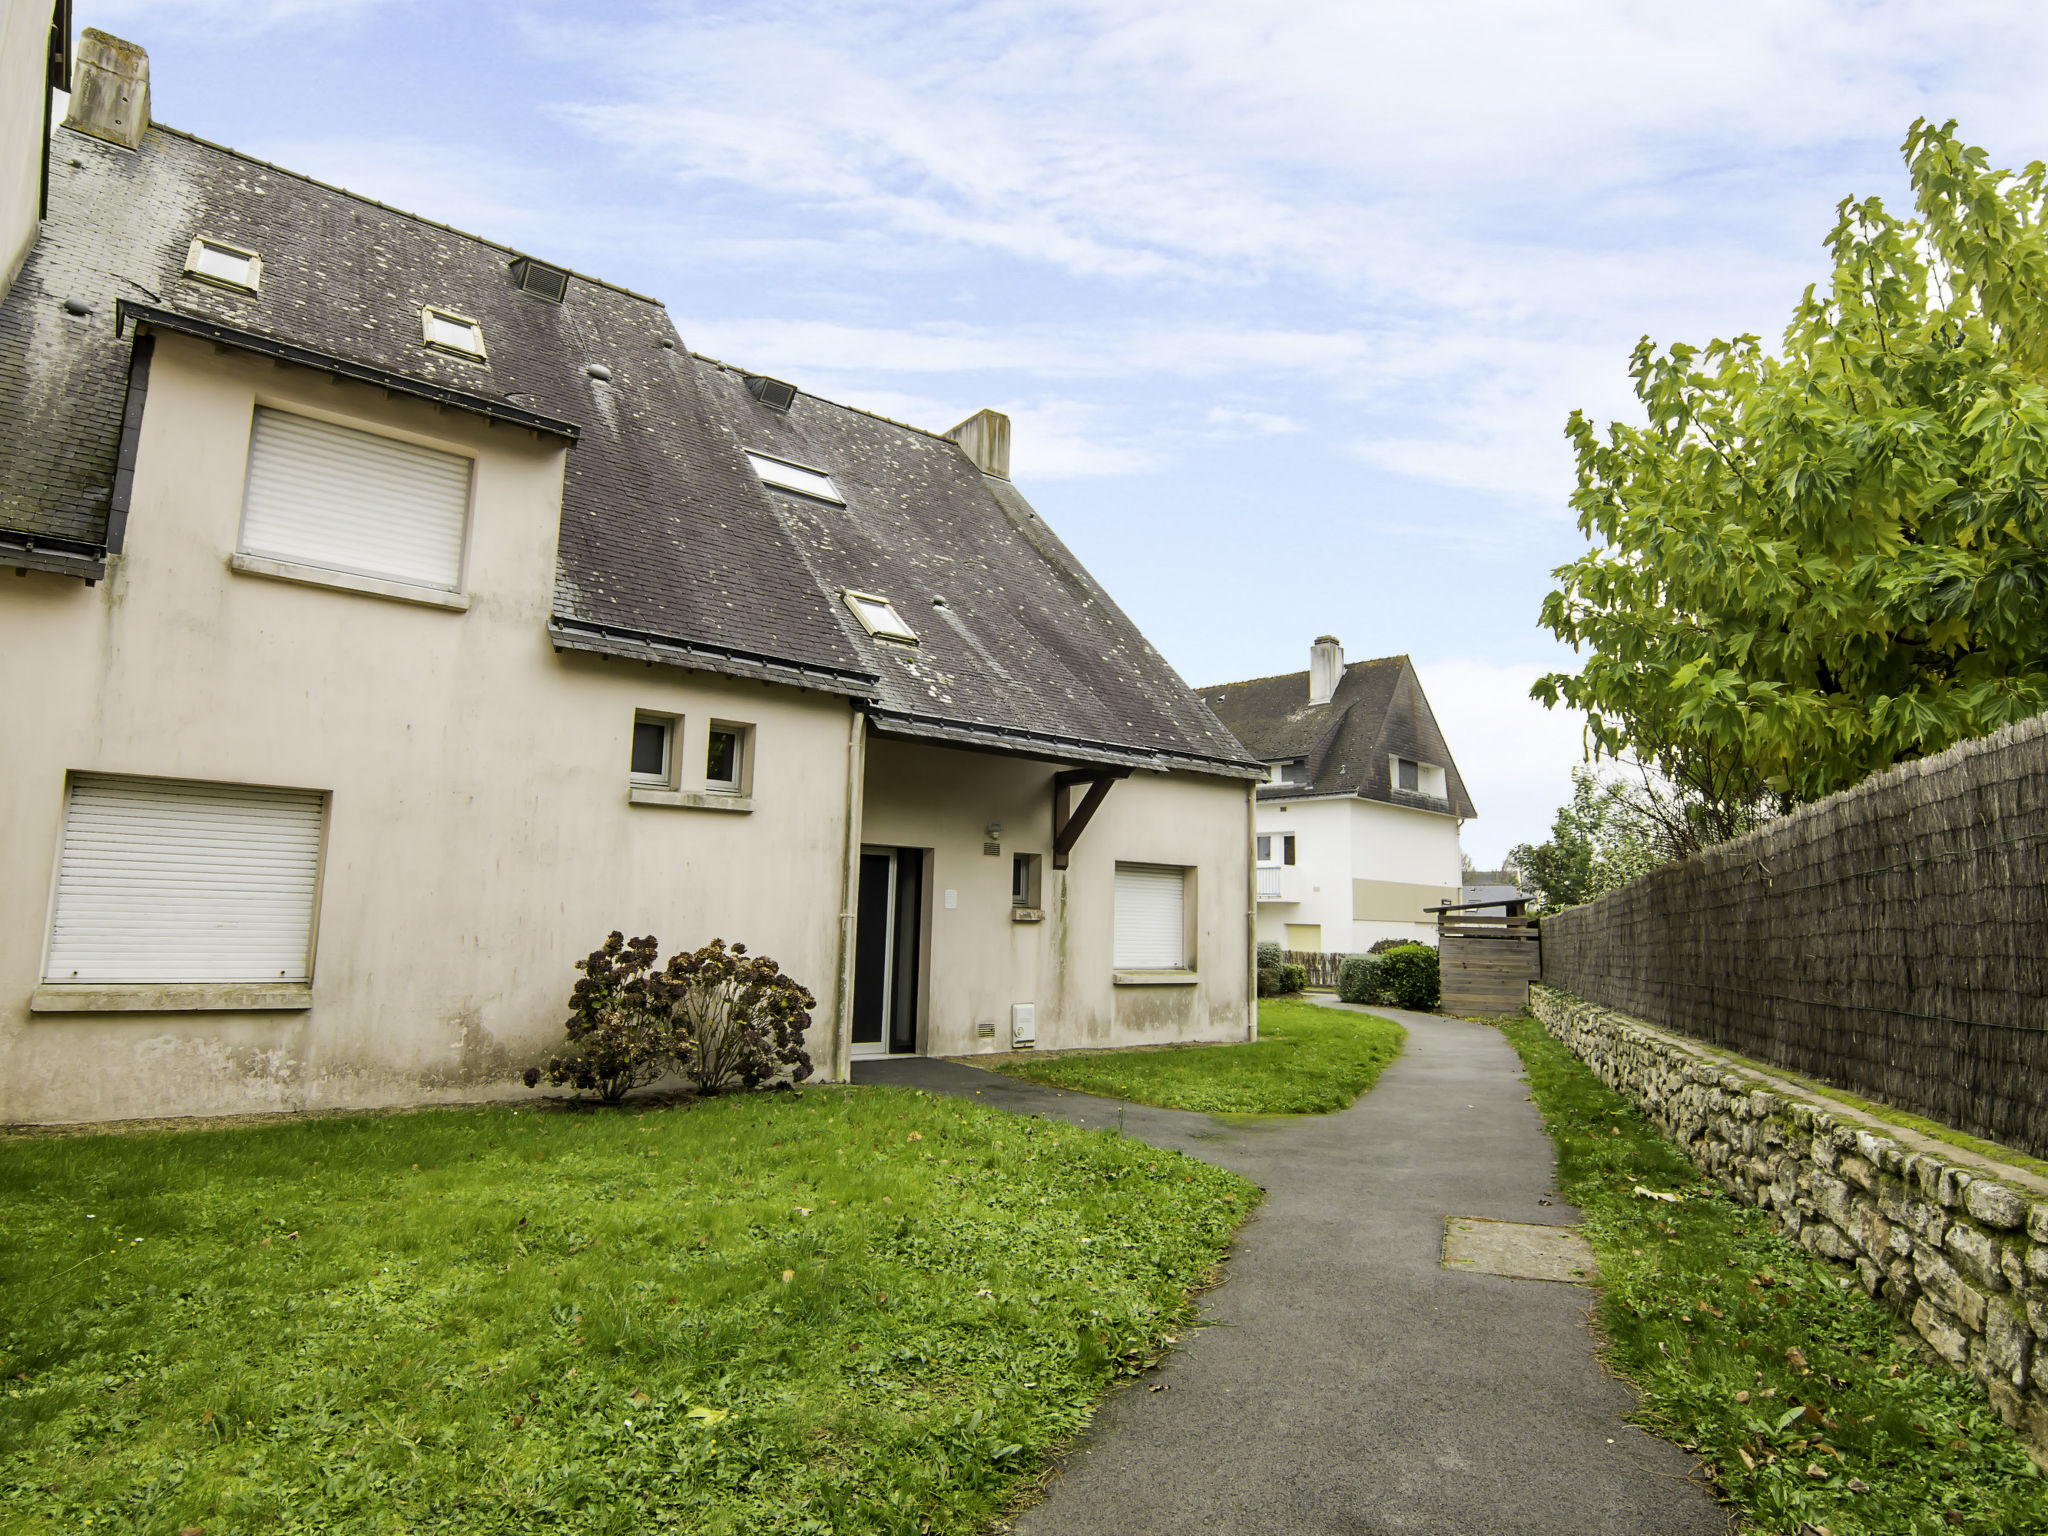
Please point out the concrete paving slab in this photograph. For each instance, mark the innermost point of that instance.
(1518, 1250)
(1343, 1382)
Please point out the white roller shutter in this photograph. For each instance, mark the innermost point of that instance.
(163, 880)
(1151, 917)
(345, 500)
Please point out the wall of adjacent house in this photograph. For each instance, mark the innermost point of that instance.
(479, 837)
(1402, 860)
(24, 58)
(980, 960)
(1320, 881)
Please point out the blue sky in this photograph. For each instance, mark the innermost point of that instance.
(1289, 304)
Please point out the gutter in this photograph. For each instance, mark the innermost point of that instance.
(341, 367)
(644, 645)
(62, 557)
(1014, 742)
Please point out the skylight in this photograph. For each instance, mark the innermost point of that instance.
(878, 617)
(794, 477)
(230, 266)
(449, 332)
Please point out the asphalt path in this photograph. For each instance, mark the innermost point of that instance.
(1342, 1382)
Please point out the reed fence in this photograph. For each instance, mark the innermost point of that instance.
(1322, 968)
(1891, 940)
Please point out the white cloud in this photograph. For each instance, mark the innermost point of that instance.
(1237, 422)
(1515, 756)
(238, 17)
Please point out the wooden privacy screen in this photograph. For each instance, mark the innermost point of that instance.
(1489, 954)
(1892, 940)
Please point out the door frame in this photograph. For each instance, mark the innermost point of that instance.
(912, 928)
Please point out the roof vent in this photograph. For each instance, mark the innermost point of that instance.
(540, 279)
(985, 438)
(773, 393)
(109, 90)
(599, 372)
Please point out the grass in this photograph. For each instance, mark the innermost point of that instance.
(1308, 1060)
(850, 1310)
(1800, 1394)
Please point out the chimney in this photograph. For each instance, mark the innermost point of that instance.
(1325, 668)
(109, 90)
(985, 436)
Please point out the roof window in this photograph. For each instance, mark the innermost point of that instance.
(540, 279)
(878, 617)
(794, 477)
(446, 331)
(227, 266)
(773, 393)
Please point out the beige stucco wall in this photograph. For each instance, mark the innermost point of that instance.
(980, 961)
(24, 41)
(479, 837)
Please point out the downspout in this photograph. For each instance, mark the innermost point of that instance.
(1251, 892)
(839, 1067)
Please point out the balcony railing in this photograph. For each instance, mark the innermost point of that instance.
(1279, 882)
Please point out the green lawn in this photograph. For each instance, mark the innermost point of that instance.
(1308, 1060)
(851, 1310)
(1796, 1391)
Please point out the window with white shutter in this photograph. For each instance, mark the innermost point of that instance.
(1151, 917)
(164, 880)
(342, 500)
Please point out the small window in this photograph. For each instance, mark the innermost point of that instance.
(1287, 849)
(1265, 847)
(446, 331)
(879, 618)
(725, 758)
(1151, 918)
(795, 477)
(229, 266)
(1024, 880)
(654, 742)
(1409, 773)
(540, 279)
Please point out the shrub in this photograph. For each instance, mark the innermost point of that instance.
(1380, 947)
(1269, 954)
(1293, 978)
(717, 1016)
(619, 1022)
(739, 1021)
(1358, 979)
(1411, 976)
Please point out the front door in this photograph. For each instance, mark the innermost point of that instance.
(889, 922)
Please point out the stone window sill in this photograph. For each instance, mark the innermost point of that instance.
(346, 581)
(170, 997)
(689, 799)
(1156, 978)
(1027, 915)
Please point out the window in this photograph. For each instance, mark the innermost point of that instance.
(341, 500)
(164, 880)
(1151, 917)
(794, 477)
(1024, 880)
(725, 758)
(540, 279)
(1287, 849)
(228, 266)
(654, 741)
(879, 618)
(1420, 778)
(1265, 847)
(446, 331)
(1410, 773)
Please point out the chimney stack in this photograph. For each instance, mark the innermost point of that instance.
(109, 89)
(1325, 668)
(986, 438)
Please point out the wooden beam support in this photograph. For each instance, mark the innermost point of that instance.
(1068, 827)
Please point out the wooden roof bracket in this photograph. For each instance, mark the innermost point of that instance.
(1067, 827)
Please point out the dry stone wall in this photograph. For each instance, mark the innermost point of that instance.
(1958, 1254)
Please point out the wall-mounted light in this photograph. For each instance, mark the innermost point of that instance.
(995, 831)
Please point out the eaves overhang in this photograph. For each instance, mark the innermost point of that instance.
(63, 557)
(215, 331)
(638, 645)
(1047, 747)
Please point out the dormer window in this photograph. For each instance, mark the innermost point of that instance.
(1292, 770)
(795, 477)
(879, 618)
(446, 331)
(226, 266)
(1420, 778)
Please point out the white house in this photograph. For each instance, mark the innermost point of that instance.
(391, 614)
(1358, 818)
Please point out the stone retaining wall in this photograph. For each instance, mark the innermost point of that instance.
(1960, 1256)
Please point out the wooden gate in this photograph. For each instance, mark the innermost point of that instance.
(1490, 952)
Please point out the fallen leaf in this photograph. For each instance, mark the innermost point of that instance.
(803, 1210)
(264, 1244)
(1742, 1397)
(1814, 1469)
(1748, 1460)
(1796, 1358)
(708, 1416)
(1857, 1485)
(915, 1136)
(788, 1275)
(1658, 1194)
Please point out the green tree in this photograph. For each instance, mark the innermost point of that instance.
(1809, 566)
(1601, 840)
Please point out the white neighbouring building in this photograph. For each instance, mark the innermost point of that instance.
(1357, 822)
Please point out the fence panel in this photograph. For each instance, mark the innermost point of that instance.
(1891, 940)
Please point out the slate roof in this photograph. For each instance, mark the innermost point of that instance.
(1377, 713)
(670, 547)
